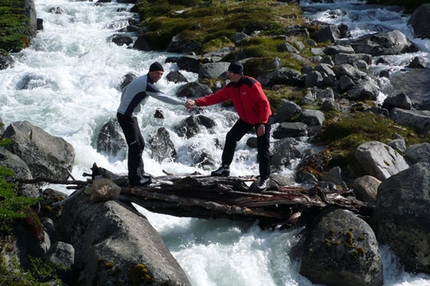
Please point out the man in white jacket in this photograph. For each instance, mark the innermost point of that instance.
(134, 96)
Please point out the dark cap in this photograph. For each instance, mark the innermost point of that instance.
(156, 67)
(236, 68)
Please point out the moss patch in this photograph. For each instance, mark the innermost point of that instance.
(206, 23)
(13, 26)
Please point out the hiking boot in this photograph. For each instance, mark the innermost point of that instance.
(142, 182)
(223, 171)
(262, 185)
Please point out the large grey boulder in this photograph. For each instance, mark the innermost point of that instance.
(46, 155)
(212, 70)
(162, 146)
(416, 119)
(401, 217)
(116, 245)
(386, 43)
(111, 141)
(414, 83)
(341, 249)
(420, 21)
(418, 153)
(380, 160)
(21, 171)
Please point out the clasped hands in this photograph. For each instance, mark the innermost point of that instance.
(190, 103)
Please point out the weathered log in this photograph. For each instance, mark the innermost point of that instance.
(191, 195)
(220, 197)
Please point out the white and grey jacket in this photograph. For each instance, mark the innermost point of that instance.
(136, 94)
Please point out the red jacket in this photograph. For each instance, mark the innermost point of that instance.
(248, 98)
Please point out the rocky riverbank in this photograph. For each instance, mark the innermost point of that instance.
(379, 152)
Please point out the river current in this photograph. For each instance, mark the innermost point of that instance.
(67, 83)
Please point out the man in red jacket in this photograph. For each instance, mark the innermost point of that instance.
(253, 108)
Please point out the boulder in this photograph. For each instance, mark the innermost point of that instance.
(111, 141)
(162, 146)
(380, 160)
(366, 189)
(212, 70)
(21, 171)
(114, 244)
(401, 217)
(287, 111)
(341, 249)
(46, 155)
(415, 84)
(418, 153)
(420, 21)
(193, 90)
(386, 43)
(290, 129)
(400, 100)
(285, 150)
(419, 120)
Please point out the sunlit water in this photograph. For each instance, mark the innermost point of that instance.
(68, 82)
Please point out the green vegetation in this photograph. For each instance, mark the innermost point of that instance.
(343, 134)
(12, 206)
(11, 273)
(13, 26)
(210, 24)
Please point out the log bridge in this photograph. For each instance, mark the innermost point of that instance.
(234, 198)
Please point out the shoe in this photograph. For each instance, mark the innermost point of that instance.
(223, 171)
(262, 185)
(143, 182)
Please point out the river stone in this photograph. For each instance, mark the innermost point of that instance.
(21, 171)
(341, 249)
(380, 160)
(420, 21)
(418, 153)
(114, 244)
(46, 155)
(212, 70)
(162, 146)
(386, 43)
(366, 189)
(401, 217)
(416, 119)
(104, 190)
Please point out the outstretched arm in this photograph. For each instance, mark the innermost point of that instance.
(165, 98)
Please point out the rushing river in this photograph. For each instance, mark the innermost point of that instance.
(68, 82)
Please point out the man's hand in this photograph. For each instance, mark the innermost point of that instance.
(261, 130)
(190, 103)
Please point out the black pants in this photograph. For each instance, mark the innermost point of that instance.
(136, 144)
(239, 129)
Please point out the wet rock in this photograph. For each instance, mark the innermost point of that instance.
(341, 249)
(400, 219)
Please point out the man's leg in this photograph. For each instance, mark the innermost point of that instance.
(136, 145)
(263, 145)
(239, 129)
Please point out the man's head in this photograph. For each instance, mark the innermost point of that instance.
(235, 72)
(156, 71)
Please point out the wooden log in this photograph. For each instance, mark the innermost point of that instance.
(194, 195)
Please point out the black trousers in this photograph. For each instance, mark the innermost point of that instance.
(239, 129)
(136, 145)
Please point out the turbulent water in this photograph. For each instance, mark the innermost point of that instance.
(68, 82)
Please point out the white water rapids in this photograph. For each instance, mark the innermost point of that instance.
(72, 73)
